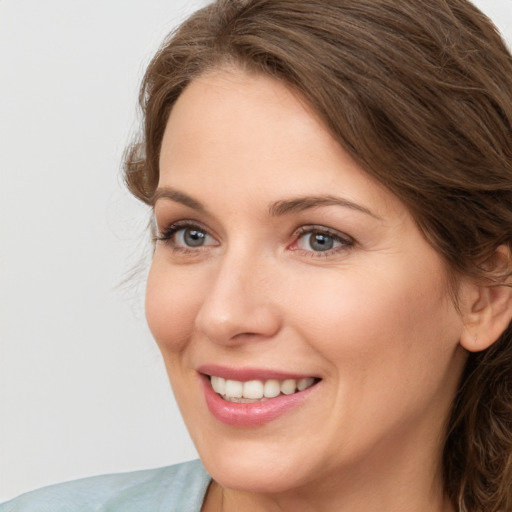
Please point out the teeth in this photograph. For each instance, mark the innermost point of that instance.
(305, 383)
(243, 400)
(288, 386)
(234, 388)
(255, 390)
(218, 384)
(271, 388)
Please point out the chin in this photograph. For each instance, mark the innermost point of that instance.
(250, 475)
(256, 465)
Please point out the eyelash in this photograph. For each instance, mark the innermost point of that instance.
(346, 242)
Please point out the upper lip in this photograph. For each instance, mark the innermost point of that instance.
(246, 373)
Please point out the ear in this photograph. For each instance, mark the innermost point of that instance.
(487, 304)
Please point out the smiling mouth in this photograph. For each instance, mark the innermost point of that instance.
(258, 390)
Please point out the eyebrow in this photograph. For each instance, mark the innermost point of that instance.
(177, 197)
(276, 209)
(300, 204)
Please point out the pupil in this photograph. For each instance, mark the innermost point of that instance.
(193, 237)
(320, 242)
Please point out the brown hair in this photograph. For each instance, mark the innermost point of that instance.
(420, 94)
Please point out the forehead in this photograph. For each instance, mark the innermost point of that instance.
(256, 134)
(248, 107)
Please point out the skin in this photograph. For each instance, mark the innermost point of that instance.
(373, 318)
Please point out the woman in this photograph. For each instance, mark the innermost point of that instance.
(331, 184)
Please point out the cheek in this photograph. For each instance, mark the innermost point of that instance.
(390, 343)
(171, 307)
(391, 313)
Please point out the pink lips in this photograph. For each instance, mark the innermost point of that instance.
(249, 414)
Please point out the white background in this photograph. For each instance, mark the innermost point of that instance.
(82, 387)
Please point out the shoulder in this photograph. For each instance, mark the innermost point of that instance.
(174, 488)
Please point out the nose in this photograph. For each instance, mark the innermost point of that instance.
(239, 304)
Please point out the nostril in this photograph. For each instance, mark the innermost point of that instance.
(237, 322)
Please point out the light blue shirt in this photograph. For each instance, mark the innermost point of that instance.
(179, 488)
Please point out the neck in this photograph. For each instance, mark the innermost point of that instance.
(328, 499)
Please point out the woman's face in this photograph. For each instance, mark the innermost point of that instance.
(282, 264)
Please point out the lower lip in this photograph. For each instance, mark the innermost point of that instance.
(252, 414)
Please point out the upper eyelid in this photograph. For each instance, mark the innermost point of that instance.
(182, 224)
(167, 232)
(335, 233)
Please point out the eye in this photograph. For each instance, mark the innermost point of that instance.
(320, 240)
(186, 236)
(190, 237)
